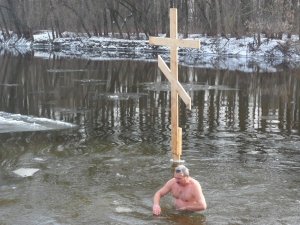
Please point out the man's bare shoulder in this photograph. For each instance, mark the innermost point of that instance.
(168, 186)
(195, 183)
(171, 182)
(194, 180)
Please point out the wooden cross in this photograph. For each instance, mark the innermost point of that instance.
(172, 75)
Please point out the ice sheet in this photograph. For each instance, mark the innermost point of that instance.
(18, 123)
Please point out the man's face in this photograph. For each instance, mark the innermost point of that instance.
(180, 179)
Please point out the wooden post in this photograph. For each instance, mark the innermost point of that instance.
(172, 75)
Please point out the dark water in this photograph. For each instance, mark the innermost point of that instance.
(240, 140)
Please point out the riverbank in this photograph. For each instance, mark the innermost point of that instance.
(215, 52)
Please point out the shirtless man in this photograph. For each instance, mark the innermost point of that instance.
(186, 191)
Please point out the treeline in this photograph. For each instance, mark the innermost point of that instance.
(132, 18)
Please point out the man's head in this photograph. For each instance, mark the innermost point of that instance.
(181, 175)
(182, 170)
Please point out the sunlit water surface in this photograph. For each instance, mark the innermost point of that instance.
(240, 140)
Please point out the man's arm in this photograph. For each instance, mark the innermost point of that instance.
(157, 196)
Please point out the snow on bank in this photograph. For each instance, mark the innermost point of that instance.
(224, 53)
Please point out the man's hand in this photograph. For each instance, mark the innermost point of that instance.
(182, 209)
(156, 210)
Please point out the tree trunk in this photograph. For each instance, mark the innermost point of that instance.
(6, 33)
(14, 17)
(111, 23)
(99, 25)
(114, 14)
(296, 9)
(222, 19)
(164, 18)
(172, 3)
(245, 14)
(218, 17)
(80, 18)
(186, 18)
(105, 23)
(56, 21)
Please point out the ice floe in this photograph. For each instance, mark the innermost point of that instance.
(26, 172)
(10, 122)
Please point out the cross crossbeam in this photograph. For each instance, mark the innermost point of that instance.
(174, 42)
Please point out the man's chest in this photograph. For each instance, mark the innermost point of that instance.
(183, 193)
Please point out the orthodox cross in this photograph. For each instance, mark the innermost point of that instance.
(172, 75)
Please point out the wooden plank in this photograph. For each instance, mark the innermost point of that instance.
(170, 42)
(167, 72)
(179, 142)
(188, 43)
(160, 41)
(173, 23)
(174, 119)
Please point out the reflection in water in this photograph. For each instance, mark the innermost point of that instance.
(112, 93)
(240, 140)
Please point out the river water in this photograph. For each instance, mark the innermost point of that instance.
(105, 144)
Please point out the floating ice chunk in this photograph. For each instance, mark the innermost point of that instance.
(26, 172)
(39, 159)
(121, 209)
(120, 175)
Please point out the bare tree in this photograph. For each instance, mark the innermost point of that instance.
(78, 13)
(4, 27)
(19, 24)
(295, 7)
(55, 24)
(123, 18)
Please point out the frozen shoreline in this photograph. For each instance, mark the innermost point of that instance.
(215, 52)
